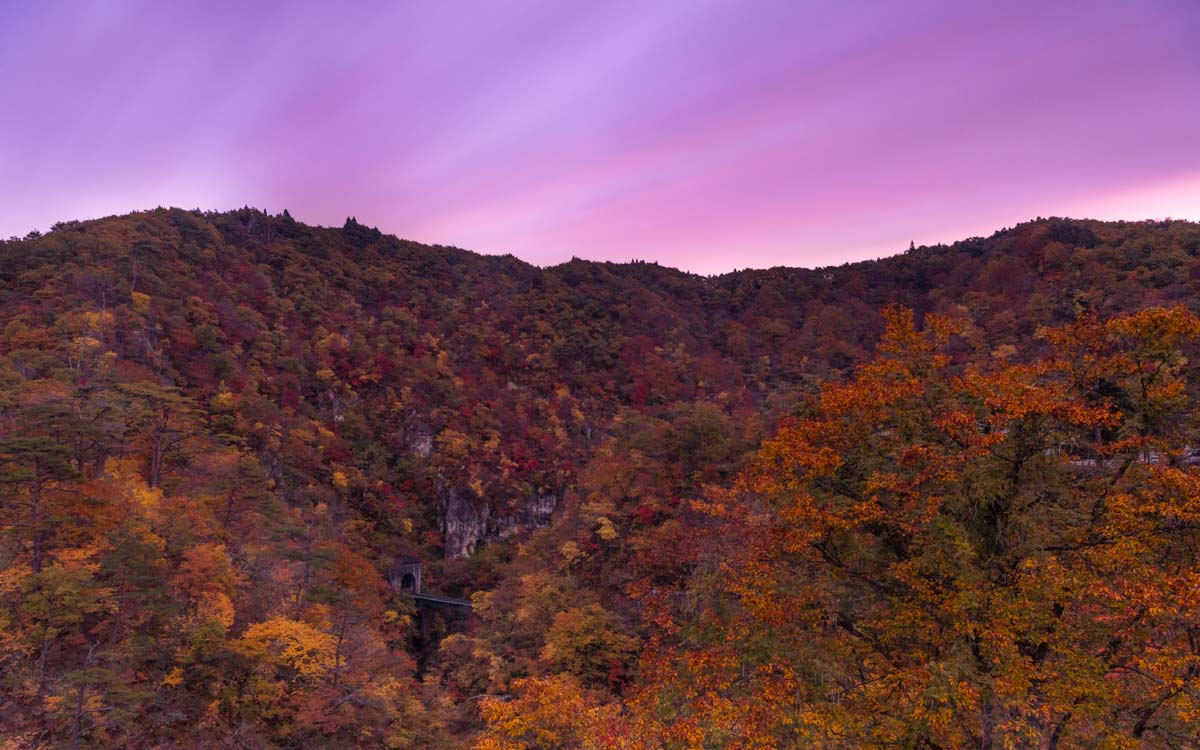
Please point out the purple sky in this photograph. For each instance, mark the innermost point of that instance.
(705, 135)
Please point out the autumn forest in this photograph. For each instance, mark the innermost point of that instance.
(946, 499)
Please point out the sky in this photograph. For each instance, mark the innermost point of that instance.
(706, 135)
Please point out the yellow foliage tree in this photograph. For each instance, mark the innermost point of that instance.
(289, 649)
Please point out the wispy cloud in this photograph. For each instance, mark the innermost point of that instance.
(707, 135)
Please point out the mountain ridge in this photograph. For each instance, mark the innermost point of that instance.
(353, 226)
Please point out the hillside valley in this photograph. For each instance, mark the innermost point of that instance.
(221, 433)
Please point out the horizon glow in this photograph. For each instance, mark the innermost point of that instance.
(702, 135)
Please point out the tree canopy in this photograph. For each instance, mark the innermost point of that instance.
(944, 499)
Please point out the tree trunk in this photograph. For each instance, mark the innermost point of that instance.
(155, 461)
(38, 532)
(77, 721)
(42, 666)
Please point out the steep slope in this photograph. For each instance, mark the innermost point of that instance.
(268, 415)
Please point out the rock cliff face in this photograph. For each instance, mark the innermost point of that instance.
(539, 510)
(420, 440)
(466, 519)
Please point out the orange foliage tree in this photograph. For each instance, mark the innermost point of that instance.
(941, 555)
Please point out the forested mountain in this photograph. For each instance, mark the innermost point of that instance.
(689, 511)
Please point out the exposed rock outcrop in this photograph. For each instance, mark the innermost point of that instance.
(464, 521)
(420, 439)
(540, 509)
(467, 519)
